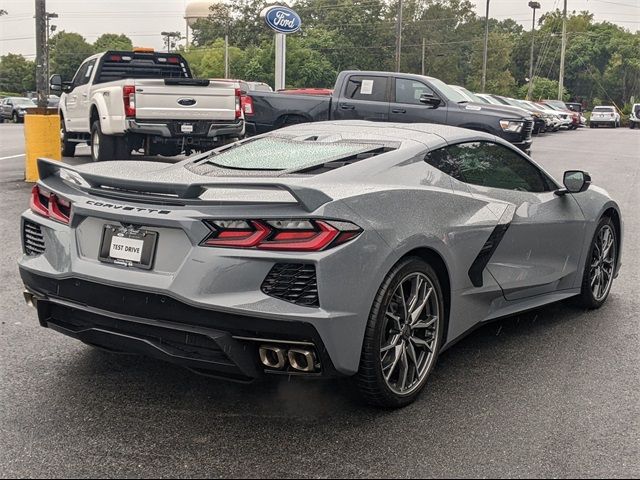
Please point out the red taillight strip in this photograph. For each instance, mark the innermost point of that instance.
(240, 238)
(318, 241)
(238, 103)
(52, 210)
(308, 235)
(129, 98)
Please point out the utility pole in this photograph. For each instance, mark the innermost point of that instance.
(424, 52)
(399, 36)
(486, 50)
(41, 45)
(534, 6)
(562, 52)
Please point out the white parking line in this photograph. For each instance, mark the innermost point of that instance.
(12, 156)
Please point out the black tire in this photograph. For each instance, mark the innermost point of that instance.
(632, 125)
(68, 148)
(587, 298)
(122, 150)
(103, 147)
(370, 380)
(15, 118)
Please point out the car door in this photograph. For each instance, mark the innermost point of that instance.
(541, 249)
(78, 102)
(7, 106)
(364, 97)
(406, 106)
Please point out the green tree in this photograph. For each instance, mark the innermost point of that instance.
(68, 51)
(17, 74)
(112, 41)
(543, 88)
(499, 78)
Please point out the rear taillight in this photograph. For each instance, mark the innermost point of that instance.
(129, 98)
(50, 205)
(238, 103)
(247, 105)
(284, 235)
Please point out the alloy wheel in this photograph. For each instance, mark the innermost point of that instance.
(95, 146)
(410, 334)
(603, 262)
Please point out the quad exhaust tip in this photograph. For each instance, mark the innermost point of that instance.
(277, 358)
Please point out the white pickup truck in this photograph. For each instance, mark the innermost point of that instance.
(119, 102)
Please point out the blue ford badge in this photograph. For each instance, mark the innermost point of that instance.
(282, 19)
(187, 102)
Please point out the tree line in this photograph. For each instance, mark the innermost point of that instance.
(602, 59)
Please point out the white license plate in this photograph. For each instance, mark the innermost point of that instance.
(124, 248)
(186, 128)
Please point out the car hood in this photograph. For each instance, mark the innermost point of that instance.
(506, 110)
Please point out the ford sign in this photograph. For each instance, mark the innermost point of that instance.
(282, 19)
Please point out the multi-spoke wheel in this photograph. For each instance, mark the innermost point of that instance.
(403, 335)
(601, 265)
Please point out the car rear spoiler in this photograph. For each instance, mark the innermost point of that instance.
(139, 190)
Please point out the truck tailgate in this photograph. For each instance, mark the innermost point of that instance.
(160, 100)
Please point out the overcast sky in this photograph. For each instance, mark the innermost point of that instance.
(143, 20)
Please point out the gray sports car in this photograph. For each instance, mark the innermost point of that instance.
(327, 249)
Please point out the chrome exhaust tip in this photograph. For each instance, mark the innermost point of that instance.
(273, 357)
(302, 360)
(30, 299)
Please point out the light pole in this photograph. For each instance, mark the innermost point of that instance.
(534, 6)
(50, 30)
(562, 52)
(169, 36)
(486, 50)
(399, 36)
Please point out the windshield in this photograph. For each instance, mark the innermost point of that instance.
(557, 104)
(469, 94)
(273, 153)
(448, 92)
(491, 100)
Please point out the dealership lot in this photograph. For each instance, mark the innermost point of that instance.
(552, 392)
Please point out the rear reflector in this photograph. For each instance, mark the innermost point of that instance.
(283, 235)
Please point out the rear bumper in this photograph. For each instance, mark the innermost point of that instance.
(129, 321)
(201, 129)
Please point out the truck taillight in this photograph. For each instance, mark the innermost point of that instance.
(284, 235)
(50, 205)
(238, 103)
(247, 105)
(129, 97)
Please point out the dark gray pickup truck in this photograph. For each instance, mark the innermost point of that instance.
(388, 97)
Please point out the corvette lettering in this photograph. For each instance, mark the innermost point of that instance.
(126, 208)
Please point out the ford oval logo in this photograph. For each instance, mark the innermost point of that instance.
(187, 102)
(282, 19)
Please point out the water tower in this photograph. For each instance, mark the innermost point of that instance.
(196, 10)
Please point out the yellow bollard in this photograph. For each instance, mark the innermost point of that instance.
(41, 139)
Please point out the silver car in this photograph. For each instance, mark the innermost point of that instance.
(319, 250)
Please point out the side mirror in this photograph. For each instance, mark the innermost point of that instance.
(55, 83)
(430, 99)
(575, 181)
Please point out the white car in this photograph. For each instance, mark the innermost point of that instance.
(604, 115)
(634, 118)
(119, 102)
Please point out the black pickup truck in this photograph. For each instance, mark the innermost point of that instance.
(388, 97)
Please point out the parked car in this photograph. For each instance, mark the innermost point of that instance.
(553, 115)
(245, 88)
(15, 108)
(634, 117)
(604, 115)
(122, 101)
(434, 224)
(565, 112)
(577, 107)
(540, 123)
(390, 97)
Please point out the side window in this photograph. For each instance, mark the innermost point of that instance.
(83, 75)
(489, 165)
(410, 91)
(361, 87)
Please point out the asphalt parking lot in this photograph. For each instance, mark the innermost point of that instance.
(551, 393)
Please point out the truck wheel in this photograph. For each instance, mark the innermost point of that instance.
(122, 150)
(15, 118)
(68, 148)
(102, 146)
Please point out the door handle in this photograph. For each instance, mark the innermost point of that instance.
(399, 110)
(347, 106)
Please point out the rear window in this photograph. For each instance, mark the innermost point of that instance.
(276, 153)
(603, 109)
(121, 65)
